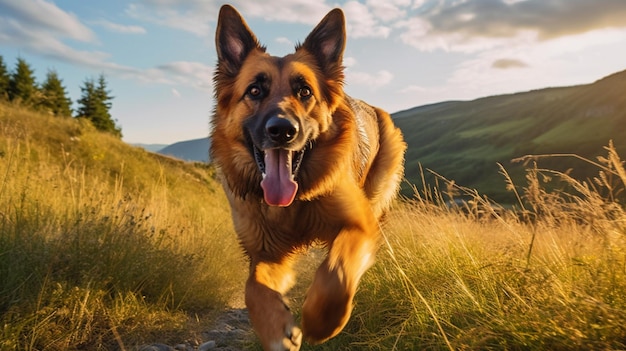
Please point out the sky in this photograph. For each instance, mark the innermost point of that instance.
(158, 56)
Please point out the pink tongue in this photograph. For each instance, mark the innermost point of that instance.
(279, 188)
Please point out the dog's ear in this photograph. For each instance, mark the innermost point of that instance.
(233, 39)
(328, 40)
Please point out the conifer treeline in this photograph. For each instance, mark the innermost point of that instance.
(20, 86)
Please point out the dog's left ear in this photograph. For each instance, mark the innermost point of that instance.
(328, 40)
(233, 39)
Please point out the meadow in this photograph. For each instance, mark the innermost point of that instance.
(108, 247)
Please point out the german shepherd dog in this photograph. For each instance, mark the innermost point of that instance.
(300, 162)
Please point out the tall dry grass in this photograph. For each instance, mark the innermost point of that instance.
(546, 274)
(104, 246)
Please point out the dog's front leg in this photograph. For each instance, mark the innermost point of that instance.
(328, 303)
(269, 314)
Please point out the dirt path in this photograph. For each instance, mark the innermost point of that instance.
(230, 332)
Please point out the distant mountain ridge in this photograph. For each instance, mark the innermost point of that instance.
(150, 147)
(464, 140)
(189, 150)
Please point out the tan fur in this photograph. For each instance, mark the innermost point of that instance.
(347, 178)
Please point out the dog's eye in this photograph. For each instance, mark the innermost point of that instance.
(254, 92)
(305, 93)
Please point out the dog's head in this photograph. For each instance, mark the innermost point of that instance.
(275, 108)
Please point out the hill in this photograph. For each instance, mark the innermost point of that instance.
(190, 150)
(103, 245)
(464, 140)
(150, 147)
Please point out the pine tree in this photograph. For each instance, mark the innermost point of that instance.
(95, 104)
(4, 80)
(22, 84)
(55, 98)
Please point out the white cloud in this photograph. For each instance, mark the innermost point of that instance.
(194, 17)
(194, 74)
(291, 11)
(361, 23)
(411, 89)
(388, 10)
(40, 27)
(175, 93)
(349, 61)
(197, 16)
(120, 28)
(284, 41)
(43, 17)
(372, 81)
(417, 95)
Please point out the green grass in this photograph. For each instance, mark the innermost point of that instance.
(104, 246)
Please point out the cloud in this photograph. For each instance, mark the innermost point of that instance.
(291, 11)
(40, 27)
(412, 89)
(506, 63)
(388, 10)
(44, 17)
(192, 16)
(360, 22)
(349, 61)
(175, 93)
(284, 41)
(474, 25)
(194, 74)
(120, 28)
(197, 16)
(372, 81)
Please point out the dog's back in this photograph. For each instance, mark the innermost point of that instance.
(381, 154)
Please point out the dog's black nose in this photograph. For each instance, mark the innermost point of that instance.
(281, 130)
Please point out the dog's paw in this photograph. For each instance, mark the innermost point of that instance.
(275, 326)
(290, 342)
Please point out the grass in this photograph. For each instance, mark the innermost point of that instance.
(104, 246)
(549, 274)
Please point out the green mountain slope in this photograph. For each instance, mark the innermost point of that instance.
(464, 140)
(189, 150)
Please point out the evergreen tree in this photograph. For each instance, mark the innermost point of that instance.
(22, 85)
(95, 104)
(55, 98)
(4, 80)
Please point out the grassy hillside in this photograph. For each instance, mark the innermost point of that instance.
(464, 140)
(108, 247)
(103, 245)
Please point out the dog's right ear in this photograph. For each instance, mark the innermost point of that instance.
(233, 39)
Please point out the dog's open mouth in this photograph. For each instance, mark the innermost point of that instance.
(279, 168)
